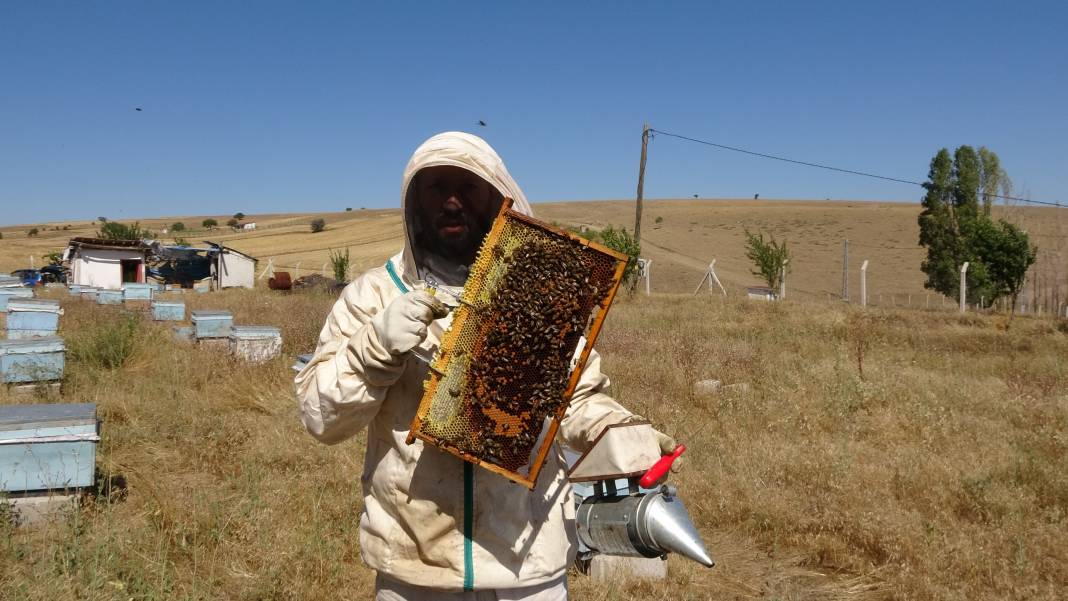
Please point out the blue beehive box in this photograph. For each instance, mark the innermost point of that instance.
(183, 333)
(75, 289)
(168, 311)
(89, 292)
(32, 360)
(136, 291)
(6, 294)
(47, 447)
(29, 318)
(109, 297)
(212, 324)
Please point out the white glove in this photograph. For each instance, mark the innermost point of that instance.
(403, 324)
(666, 443)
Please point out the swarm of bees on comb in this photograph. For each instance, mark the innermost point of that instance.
(508, 364)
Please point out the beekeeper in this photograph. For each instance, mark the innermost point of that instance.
(433, 526)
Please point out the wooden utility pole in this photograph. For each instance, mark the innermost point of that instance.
(845, 270)
(641, 185)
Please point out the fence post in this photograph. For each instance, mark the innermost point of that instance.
(296, 272)
(963, 286)
(864, 284)
(782, 282)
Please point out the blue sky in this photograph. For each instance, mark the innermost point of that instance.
(277, 107)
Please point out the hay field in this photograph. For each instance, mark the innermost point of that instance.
(688, 235)
(884, 454)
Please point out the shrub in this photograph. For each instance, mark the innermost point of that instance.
(33, 232)
(178, 227)
(233, 223)
(347, 209)
(340, 264)
(209, 223)
(318, 225)
(658, 220)
(113, 230)
(106, 345)
(770, 258)
(621, 240)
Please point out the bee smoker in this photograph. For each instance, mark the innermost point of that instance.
(620, 508)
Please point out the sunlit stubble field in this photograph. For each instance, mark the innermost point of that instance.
(875, 455)
(680, 236)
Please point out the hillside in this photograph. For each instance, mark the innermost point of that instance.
(680, 236)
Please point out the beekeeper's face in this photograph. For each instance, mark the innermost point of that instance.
(456, 208)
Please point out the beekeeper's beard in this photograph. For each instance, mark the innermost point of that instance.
(459, 248)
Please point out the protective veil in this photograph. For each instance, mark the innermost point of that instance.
(430, 519)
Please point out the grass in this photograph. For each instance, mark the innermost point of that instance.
(886, 454)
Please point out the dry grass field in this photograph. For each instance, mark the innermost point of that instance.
(680, 236)
(879, 454)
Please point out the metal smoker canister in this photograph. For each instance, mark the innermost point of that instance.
(649, 525)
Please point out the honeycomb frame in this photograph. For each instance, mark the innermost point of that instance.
(465, 409)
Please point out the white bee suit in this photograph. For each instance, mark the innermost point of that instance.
(430, 519)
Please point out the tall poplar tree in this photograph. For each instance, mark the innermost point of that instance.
(955, 229)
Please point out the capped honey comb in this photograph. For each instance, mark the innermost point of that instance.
(508, 364)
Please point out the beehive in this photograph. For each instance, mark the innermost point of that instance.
(137, 292)
(255, 344)
(47, 446)
(108, 297)
(212, 324)
(27, 318)
(32, 360)
(7, 294)
(89, 292)
(168, 310)
(507, 366)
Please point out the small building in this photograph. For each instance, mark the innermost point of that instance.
(249, 226)
(233, 268)
(106, 264)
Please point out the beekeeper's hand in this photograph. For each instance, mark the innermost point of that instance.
(666, 443)
(403, 324)
(667, 447)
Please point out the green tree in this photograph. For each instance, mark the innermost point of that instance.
(114, 230)
(938, 227)
(770, 258)
(623, 241)
(233, 223)
(318, 225)
(178, 226)
(102, 219)
(955, 228)
(209, 223)
(1007, 253)
(993, 180)
(32, 233)
(239, 215)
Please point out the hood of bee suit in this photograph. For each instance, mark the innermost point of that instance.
(456, 149)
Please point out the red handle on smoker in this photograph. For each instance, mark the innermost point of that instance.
(660, 468)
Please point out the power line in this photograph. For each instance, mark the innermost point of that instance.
(838, 169)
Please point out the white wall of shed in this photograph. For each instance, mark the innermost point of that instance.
(101, 268)
(236, 271)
